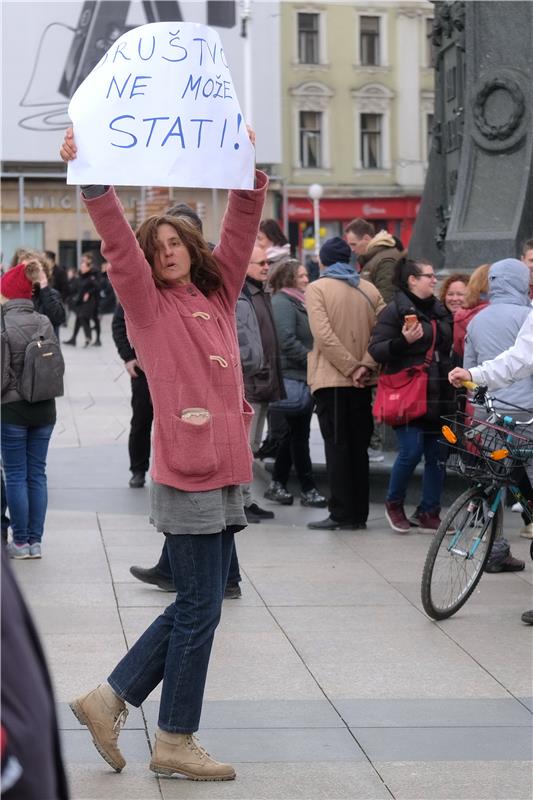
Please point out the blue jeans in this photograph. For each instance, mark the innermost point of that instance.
(24, 451)
(234, 574)
(413, 442)
(176, 647)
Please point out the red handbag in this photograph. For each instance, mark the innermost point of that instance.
(402, 396)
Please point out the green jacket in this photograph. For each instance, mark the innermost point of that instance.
(294, 335)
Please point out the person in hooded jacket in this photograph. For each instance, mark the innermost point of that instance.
(476, 298)
(396, 346)
(492, 331)
(342, 312)
(378, 262)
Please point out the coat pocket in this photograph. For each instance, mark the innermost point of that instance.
(193, 448)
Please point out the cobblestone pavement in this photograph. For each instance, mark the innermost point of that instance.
(327, 679)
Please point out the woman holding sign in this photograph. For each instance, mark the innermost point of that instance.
(179, 301)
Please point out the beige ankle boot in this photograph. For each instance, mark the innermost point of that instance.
(104, 713)
(182, 753)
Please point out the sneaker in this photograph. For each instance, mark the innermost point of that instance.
(182, 753)
(527, 531)
(232, 591)
(313, 498)
(428, 521)
(69, 341)
(278, 493)
(396, 517)
(414, 519)
(35, 550)
(137, 480)
(15, 550)
(255, 513)
(509, 564)
(375, 455)
(104, 713)
(516, 507)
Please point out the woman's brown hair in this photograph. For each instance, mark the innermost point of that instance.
(284, 275)
(457, 276)
(477, 286)
(205, 272)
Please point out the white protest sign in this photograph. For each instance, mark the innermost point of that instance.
(160, 109)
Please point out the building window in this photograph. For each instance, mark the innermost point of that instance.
(371, 144)
(369, 40)
(10, 233)
(308, 38)
(310, 138)
(430, 55)
(429, 134)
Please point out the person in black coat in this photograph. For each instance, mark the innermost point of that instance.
(397, 343)
(32, 767)
(288, 282)
(141, 403)
(47, 300)
(85, 301)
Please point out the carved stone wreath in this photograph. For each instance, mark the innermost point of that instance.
(506, 129)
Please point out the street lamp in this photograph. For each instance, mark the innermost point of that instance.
(315, 192)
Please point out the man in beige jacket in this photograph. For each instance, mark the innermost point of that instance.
(342, 311)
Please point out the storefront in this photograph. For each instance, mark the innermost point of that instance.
(395, 214)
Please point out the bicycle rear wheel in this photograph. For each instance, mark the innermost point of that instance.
(458, 553)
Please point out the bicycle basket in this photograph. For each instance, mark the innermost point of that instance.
(482, 448)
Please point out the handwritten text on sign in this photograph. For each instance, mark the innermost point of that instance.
(160, 109)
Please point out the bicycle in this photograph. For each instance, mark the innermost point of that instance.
(490, 453)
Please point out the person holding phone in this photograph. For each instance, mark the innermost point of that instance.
(404, 333)
(179, 300)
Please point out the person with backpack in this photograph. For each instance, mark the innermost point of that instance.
(32, 376)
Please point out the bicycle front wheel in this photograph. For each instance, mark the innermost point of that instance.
(458, 553)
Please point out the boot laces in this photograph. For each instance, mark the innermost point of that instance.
(195, 745)
(120, 720)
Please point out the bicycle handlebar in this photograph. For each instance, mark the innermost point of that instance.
(483, 398)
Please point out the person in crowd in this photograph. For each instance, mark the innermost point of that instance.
(514, 364)
(342, 311)
(397, 343)
(73, 279)
(96, 310)
(288, 283)
(57, 276)
(266, 385)
(491, 332)
(358, 234)
(378, 262)
(453, 290)
(141, 404)
(26, 427)
(476, 298)
(85, 301)
(179, 300)
(46, 300)
(527, 258)
(271, 237)
(107, 299)
(32, 765)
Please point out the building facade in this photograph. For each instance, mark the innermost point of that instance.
(358, 93)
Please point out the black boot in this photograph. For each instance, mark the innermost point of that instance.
(154, 576)
(137, 480)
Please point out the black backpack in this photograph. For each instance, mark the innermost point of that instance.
(43, 369)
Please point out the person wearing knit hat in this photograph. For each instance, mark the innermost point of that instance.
(26, 427)
(335, 251)
(15, 283)
(341, 322)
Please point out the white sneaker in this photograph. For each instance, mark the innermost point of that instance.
(516, 507)
(375, 455)
(527, 531)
